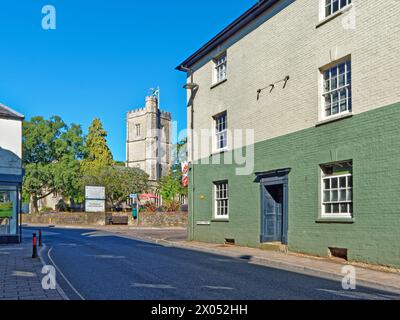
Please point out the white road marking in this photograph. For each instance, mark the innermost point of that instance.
(58, 288)
(152, 286)
(218, 288)
(64, 277)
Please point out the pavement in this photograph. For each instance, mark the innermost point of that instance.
(20, 275)
(124, 263)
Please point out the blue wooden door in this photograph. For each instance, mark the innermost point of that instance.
(273, 205)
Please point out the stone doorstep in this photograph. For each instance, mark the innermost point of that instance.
(274, 246)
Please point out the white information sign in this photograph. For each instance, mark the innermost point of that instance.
(95, 193)
(95, 199)
(95, 206)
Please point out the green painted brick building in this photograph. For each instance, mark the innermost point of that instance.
(321, 99)
(372, 235)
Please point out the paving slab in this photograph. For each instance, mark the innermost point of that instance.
(20, 275)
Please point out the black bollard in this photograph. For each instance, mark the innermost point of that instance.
(34, 250)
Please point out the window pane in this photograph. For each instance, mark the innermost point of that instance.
(335, 208)
(327, 196)
(328, 109)
(335, 103)
(334, 182)
(342, 195)
(344, 208)
(343, 101)
(350, 182)
(335, 5)
(327, 184)
(327, 85)
(342, 182)
(342, 75)
(328, 208)
(349, 195)
(334, 72)
(334, 196)
(334, 83)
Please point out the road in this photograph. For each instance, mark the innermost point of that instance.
(97, 265)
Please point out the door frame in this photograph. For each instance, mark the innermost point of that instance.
(273, 178)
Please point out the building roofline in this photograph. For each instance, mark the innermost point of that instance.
(254, 12)
(11, 114)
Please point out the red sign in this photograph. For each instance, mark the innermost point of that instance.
(185, 174)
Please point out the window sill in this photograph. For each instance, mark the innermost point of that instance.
(203, 223)
(334, 119)
(219, 152)
(335, 15)
(218, 84)
(220, 220)
(335, 220)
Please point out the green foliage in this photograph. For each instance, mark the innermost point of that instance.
(46, 210)
(179, 152)
(61, 206)
(57, 159)
(170, 188)
(6, 210)
(97, 154)
(51, 154)
(119, 182)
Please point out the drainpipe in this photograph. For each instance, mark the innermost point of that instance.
(192, 151)
(193, 88)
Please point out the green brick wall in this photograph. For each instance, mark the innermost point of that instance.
(371, 140)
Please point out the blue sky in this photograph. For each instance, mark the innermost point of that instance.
(103, 57)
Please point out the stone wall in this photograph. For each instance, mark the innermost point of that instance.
(176, 219)
(146, 219)
(98, 219)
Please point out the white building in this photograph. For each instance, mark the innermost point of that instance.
(11, 173)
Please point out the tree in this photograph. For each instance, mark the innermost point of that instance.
(179, 151)
(119, 182)
(51, 154)
(170, 188)
(97, 154)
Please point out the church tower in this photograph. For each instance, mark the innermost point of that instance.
(148, 144)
